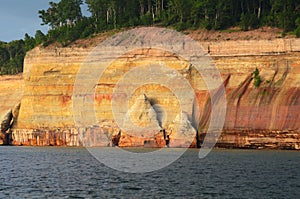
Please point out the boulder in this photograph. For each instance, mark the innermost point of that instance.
(6, 121)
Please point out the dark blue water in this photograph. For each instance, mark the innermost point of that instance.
(74, 173)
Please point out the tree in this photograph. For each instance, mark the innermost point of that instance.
(198, 14)
(39, 37)
(70, 11)
(4, 55)
(66, 12)
(50, 16)
(210, 13)
(223, 16)
(29, 42)
(181, 14)
(285, 13)
(12, 57)
(179, 9)
(98, 9)
(249, 21)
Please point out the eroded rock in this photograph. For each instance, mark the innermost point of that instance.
(6, 121)
(181, 133)
(141, 117)
(16, 110)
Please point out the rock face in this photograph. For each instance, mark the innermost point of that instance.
(257, 115)
(182, 132)
(7, 121)
(11, 92)
(263, 117)
(142, 114)
(6, 124)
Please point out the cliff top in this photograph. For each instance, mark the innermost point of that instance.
(231, 34)
(234, 34)
(232, 42)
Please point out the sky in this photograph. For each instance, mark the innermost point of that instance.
(18, 17)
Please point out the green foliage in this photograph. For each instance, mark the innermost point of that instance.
(66, 12)
(180, 14)
(4, 55)
(248, 21)
(297, 31)
(285, 13)
(67, 23)
(257, 78)
(146, 19)
(67, 34)
(12, 54)
(39, 37)
(12, 57)
(29, 42)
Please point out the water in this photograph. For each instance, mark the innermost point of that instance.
(27, 172)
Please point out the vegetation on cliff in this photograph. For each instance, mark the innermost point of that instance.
(257, 78)
(12, 57)
(68, 24)
(12, 54)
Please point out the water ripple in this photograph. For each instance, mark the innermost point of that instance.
(28, 172)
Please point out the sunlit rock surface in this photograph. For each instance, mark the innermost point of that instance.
(263, 117)
(11, 92)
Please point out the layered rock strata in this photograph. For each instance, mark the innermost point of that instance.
(11, 92)
(257, 117)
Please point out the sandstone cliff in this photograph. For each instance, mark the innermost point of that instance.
(263, 117)
(11, 92)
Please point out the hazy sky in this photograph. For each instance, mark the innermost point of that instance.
(21, 16)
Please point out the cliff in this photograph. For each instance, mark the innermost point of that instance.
(263, 117)
(11, 92)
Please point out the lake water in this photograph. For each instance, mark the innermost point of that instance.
(27, 172)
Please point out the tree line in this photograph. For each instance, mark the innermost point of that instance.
(12, 53)
(67, 23)
(11, 57)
